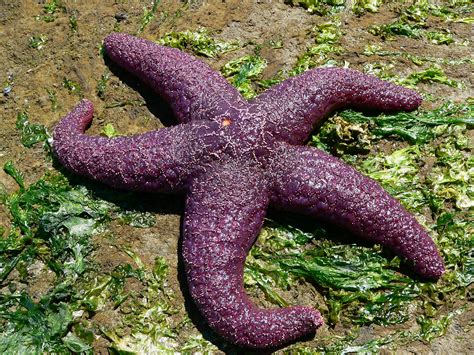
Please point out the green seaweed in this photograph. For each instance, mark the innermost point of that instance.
(241, 71)
(361, 270)
(439, 37)
(353, 132)
(375, 49)
(433, 74)
(328, 32)
(48, 208)
(340, 136)
(397, 28)
(38, 42)
(415, 127)
(146, 316)
(16, 174)
(412, 21)
(326, 37)
(320, 7)
(433, 328)
(52, 224)
(199, 42)
(37, 327)
(102, 84)
(50, 7)
(49, 10)
(449, 11)
(73, 23)
(72, 86)
(198, 345)
(148, 15)
(137, 219)
(31, 133)
(315, 56)
(109, 131)
(53, 99)
(360, 7)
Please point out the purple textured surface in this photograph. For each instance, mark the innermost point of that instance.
(233, 159)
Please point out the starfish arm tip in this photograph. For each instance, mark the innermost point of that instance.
(76, 120)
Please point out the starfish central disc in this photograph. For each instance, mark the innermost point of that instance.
(226, 122)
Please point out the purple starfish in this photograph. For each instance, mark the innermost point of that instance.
(234, 159)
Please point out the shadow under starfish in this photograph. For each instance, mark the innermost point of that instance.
(233, 159)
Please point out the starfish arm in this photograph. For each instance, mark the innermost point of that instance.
(297, 105)
(155, 161)
(191, 87)
(224, 212)
(312, 182)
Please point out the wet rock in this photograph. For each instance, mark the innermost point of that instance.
(121, 16)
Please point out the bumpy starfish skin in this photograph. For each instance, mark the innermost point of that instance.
(233, 159)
